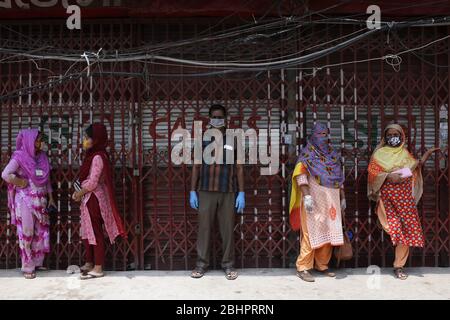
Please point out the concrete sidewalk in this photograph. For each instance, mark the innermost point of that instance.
(252, 284)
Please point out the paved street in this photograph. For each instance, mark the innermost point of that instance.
(423, 283)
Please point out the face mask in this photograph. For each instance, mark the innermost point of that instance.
(217, 123)
(321, 139)
(86, 144)
(43, 147)
(394, 141)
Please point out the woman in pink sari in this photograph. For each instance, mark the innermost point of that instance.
(28, 177)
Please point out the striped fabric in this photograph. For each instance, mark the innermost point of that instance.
(218, 177)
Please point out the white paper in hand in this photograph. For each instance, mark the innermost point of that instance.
(404, 173)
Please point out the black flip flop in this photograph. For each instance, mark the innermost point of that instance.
(198, 272)
(29, 275)
(400, 274)
(41, 269)
(91, 275)
(231, 273)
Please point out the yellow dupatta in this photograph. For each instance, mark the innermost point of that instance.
(391, 159)
(385, 160)
(295, 203)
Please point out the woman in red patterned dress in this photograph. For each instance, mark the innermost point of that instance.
(395, 184)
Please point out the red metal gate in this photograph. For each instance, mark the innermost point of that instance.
(356, 99)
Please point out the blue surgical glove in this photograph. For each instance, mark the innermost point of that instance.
(193, 200)
(240, 202)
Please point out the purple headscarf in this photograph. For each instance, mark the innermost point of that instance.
(321, 160)
(28, 160)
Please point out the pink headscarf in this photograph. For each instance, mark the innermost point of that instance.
(28, 160)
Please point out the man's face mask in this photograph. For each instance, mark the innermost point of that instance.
(217, 123)
(394, 141)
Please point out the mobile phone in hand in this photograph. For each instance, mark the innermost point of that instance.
(77, 186)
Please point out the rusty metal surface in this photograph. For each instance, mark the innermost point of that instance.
(356, 99)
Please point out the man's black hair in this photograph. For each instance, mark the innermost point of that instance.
(215, 107)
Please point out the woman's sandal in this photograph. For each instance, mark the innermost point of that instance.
(86, 268)
(91, 275)
(400, 274)
(327, 273)
(230, 273)
(198, 272)
(305, 275)
(29, 275)
(41, 269)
